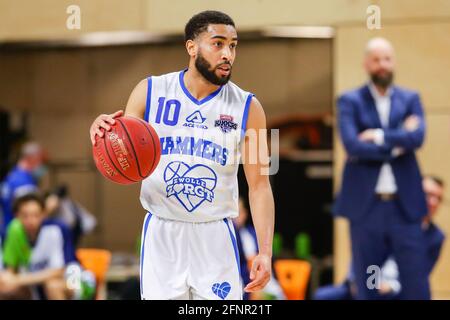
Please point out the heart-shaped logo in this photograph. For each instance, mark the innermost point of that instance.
(190, 185)
(221, 289)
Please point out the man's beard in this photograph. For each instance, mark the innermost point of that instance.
(382, 81)
(204, 67)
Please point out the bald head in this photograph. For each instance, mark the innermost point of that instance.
(32, 156)
(379, 62)
(379, 44)
(31, 149)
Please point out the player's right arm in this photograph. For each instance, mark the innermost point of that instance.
(135, 107)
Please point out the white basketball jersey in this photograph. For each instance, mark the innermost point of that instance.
(196, 178)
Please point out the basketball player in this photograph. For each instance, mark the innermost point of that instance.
(33, 253)
(188, 241)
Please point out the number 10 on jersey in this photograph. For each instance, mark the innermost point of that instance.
(168, 110)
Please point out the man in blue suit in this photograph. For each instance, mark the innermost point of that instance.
(381, 126)
(390, 286)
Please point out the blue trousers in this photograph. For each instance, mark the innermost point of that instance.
(339, 292)
(384, 231)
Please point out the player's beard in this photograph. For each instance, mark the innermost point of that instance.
(209, 73)
(382, 81)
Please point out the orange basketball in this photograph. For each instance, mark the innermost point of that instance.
(129, 152)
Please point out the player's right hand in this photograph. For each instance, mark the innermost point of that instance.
(260, 273)
(103, 121)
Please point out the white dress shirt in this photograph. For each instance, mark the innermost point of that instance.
(386, 180)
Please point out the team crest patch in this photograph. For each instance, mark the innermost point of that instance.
(191, 186)
(225, 123)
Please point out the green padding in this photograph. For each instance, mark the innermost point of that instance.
(16, 250)
(277, 244)
(303, 246)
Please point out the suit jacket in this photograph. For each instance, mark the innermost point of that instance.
(356, 113)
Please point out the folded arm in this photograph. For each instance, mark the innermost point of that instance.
(408, 138)
(349, 132)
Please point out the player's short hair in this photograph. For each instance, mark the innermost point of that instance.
(30, 197)
(200, 22)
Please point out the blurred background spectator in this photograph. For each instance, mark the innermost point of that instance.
(61, 207)
(23, 178)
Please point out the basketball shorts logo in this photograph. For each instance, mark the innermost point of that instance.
(191, 186)
(221, 289)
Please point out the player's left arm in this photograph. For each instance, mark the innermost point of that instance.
(260, 195)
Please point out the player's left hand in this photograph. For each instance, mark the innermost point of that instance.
(260, 273)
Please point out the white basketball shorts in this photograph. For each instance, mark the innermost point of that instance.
(185, 260)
